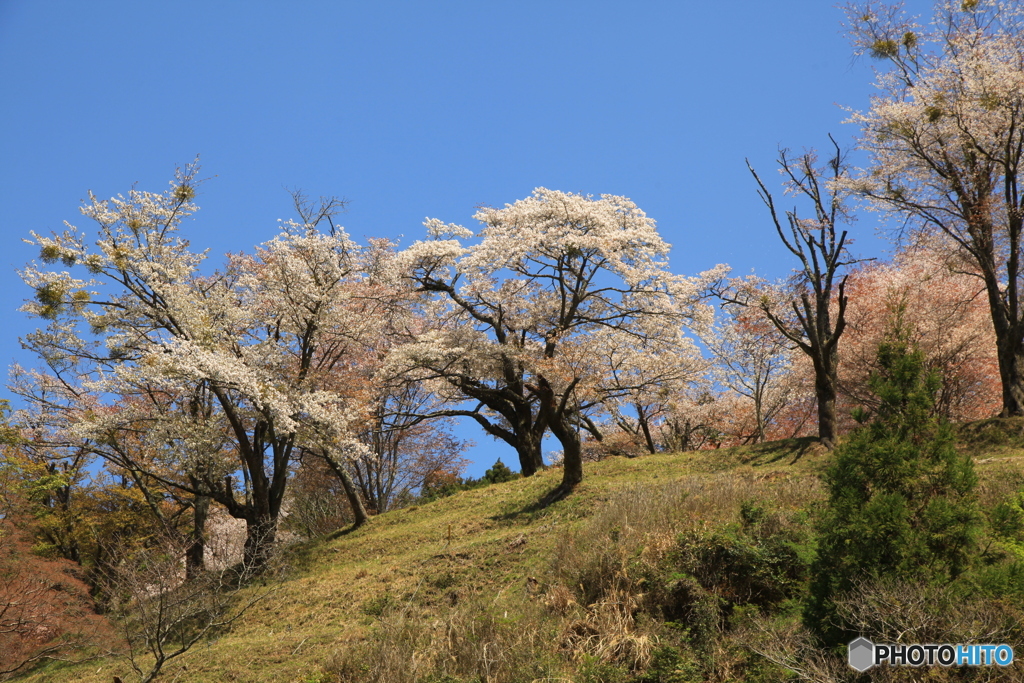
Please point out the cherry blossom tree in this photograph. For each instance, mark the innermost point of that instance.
(459, 363)
(753, 359)
(943, 309)
(403, 451)
(639, 381)
(945, 136)
(257, 339)
(694, 419)
(525, 306)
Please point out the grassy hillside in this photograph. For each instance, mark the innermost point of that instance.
(603, 586)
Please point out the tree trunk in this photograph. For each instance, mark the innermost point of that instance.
(572, 455)
(759, 435)
(645, 427)
(825, 380)
(195, 560)
(1011, 373)
(528, 446)
(359, 515)
(354, 500)
(260, 534)
(1010, 352)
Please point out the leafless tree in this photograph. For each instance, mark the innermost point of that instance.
(163, 615)
(811, 311)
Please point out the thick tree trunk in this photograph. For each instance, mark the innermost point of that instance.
(826, 395)
(1009, 352)
(260, 535)
(1011, 373)
(521, 428)
(572, 455)
(195, 560)
(825, 381)
(531, 456)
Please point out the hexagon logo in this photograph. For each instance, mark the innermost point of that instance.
(861, 654)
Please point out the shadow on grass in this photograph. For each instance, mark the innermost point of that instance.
(535, 508)
(773, 452)
(305, 554)
(559, 503)
(998, 434)
(341, 533)
(803, 451)
(525, 513)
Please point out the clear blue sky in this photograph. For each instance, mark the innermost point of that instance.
(416, 109)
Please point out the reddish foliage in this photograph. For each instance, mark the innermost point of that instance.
(946, 311)
(45, 608)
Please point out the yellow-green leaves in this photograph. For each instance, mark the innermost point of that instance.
(184, 192)
(883, 48)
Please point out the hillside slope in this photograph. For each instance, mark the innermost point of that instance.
(484, 586)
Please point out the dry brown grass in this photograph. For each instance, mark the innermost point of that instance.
(545, 628)
(477, 641)
(890, 612)
(608, 631)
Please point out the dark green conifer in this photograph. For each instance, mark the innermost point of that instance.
(498, 474)
(901, 498)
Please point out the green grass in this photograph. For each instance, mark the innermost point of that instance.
(491, 546)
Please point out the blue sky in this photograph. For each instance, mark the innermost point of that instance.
(416, 109)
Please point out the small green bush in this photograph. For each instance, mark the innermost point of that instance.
(744, 568)
(671, 665)
(593, 670)
(375, 606)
